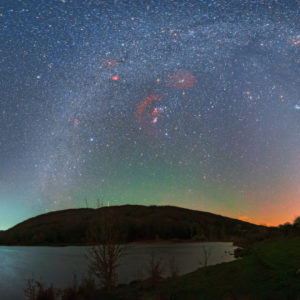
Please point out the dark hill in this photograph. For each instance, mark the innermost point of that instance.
(133, 223)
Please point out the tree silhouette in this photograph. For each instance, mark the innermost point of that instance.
(106, 252)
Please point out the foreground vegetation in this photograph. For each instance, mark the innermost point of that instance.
(270, 270)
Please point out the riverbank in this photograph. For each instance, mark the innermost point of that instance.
(137, 242)
(270, 271)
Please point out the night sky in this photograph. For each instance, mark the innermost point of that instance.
(187, 103)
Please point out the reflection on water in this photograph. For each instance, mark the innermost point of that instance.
(57, 265)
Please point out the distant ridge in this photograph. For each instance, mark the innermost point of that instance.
(131, 223)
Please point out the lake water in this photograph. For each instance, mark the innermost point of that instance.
(57, 265)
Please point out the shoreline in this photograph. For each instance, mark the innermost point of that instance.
(138, 242)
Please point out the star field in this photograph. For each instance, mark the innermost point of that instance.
(188, 103)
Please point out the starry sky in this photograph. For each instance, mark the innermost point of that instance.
(187, 103)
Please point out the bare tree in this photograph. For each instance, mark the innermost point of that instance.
(173, 265)
(35, 290)
(98, 202)
(30, 290)
(206, 254)
(105, 253)
(154, 269)
(86, 202)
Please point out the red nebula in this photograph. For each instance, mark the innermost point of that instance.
(110, 63)
(155, 112)
(181, 80)
(115, 77)
(147, 116)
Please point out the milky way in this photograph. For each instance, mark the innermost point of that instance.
(188, 103)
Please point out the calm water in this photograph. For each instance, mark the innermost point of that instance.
(57, 265)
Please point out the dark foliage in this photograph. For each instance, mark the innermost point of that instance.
(288, 229)
(86, 290)
(135, 223)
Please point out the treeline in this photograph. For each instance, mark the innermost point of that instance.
(132, 223)
(290, 229)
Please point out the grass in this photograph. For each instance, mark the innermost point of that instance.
(268, 272)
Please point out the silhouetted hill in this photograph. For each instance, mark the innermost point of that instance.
(132, 223)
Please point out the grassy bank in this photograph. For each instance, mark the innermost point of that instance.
(268, 272)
